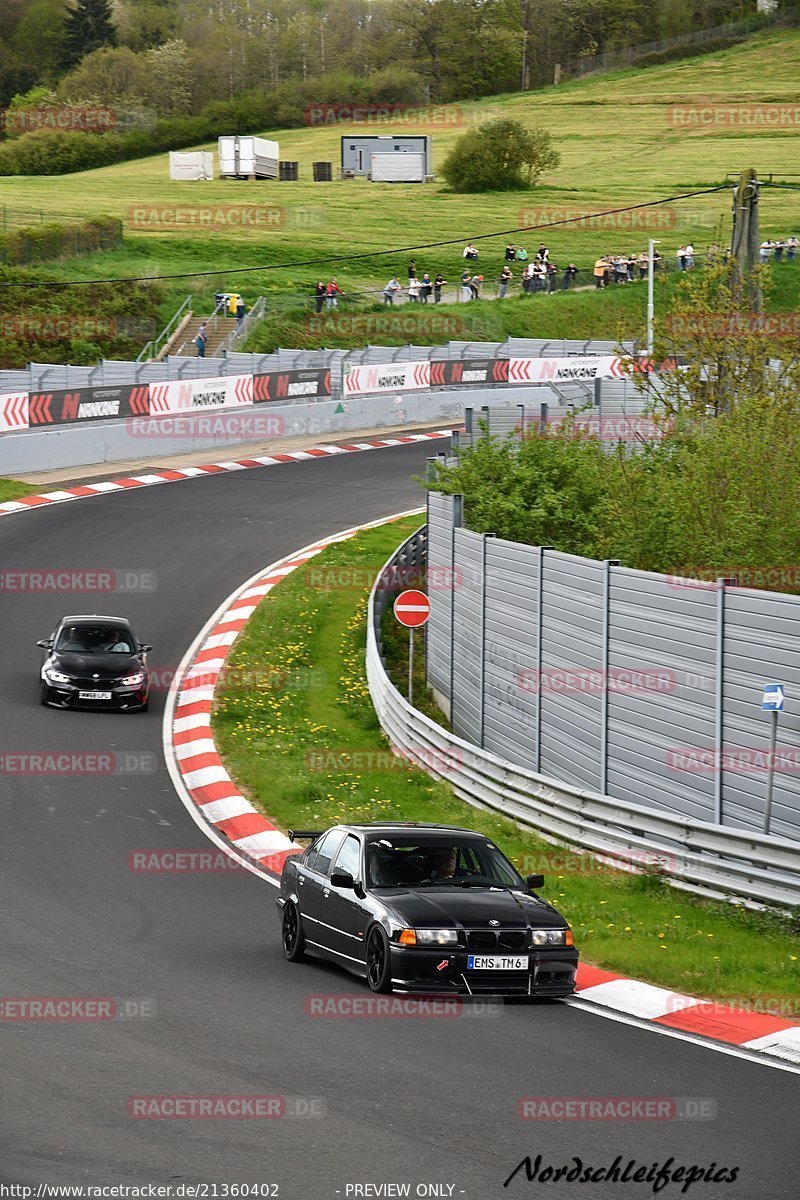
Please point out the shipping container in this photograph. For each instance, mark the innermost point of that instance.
(247, 158)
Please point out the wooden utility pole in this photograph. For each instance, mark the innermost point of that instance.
(745, 239)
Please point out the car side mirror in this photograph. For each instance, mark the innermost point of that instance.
(45, 644)
(535, 882)
(343, 879)
(144, 649)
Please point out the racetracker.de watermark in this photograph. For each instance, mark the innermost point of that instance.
(226, 216)
(48, 579)
(564, 863)
(771, 1006)
(222, 426)
(91, 118)
(50, 1009)
(628, 680)
(733, 325)
(617, 1108)
(359, 579)
(414, 116)
(764, 578)
(59, 327)
(627, 220)
(67, 763)
(733, 116)
(606, 429)
(699, 760)
(224, 1107)
(412, 326)
(333, 1006)
(361, 761)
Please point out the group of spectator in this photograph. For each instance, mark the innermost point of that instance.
(625, 268)
(420, 289)
(777, 248)
(326, 294)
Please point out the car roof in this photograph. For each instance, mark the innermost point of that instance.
(411, 827)
(93, 618)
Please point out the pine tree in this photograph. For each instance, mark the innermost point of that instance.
(89, 26)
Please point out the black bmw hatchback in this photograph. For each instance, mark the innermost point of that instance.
(424, 908)
(94, 662)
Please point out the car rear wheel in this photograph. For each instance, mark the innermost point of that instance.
(294, 943)
(379, 963)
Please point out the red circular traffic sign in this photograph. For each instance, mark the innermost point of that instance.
(412, 608)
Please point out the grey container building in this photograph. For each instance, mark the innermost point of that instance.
(357, 150)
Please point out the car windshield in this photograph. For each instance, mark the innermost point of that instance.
(403, 861)
(95, 639)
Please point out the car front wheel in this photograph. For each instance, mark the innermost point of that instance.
(292, 934)
(379, 963)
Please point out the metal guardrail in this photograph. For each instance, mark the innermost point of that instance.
(153, 347)
(707, 859)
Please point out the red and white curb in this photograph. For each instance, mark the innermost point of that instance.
(192, 758)
(81, 491)
(231, 821)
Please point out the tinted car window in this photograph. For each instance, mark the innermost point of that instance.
(349, 857)
(326, 850)
(399, 861)
(95, 639)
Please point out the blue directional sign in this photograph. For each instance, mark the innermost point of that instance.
(773, 698)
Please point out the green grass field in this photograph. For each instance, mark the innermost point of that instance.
(298, 695)
(618, 145)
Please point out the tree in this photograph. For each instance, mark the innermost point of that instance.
(500, 156)
(89, 26)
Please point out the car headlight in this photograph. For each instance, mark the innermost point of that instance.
(437, 937)
(55, 676)
(134, 680)
(551, 937)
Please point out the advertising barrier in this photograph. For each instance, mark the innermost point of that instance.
(86, 404)
(188, 395)
(13, 412)
(386, 377)
(469, 371)
(285, 385)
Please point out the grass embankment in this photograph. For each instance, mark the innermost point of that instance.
(619, 136)
(284, 739)
(11, 490)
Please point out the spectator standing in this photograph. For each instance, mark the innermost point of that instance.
(240, 311)
(201, 340)
(466, 290)
(391, 290)
(792, 244)
(682, 258)
(438, 283)
(643, 263)
(689, 256)
(527, 279)
(568, 278)
(331, 292)
(764, 250)
(505, 278)
(319, 296)
(599, 272)
(413, 290)
(412, 269)
(552, 277)
(475, 286)
(425, 288)
(779, 247)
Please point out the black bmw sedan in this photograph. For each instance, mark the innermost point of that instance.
(94, 662)
(424, 909)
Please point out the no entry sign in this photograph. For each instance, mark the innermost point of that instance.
(412, 608)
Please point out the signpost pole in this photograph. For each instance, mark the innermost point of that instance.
(773, 741)
(772, 701)
(411, 666)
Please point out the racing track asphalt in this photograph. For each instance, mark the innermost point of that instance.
(407, 1100)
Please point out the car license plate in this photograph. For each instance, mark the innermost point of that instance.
(497, 962)
(94, 695)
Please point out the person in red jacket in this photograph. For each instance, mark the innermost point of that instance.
(331, 292)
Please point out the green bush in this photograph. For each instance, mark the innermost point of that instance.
(48, 243)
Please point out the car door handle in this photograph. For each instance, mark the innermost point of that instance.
(326, 892)
(300, 880)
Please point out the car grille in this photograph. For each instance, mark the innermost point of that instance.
(504, 939)
(95, 685)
